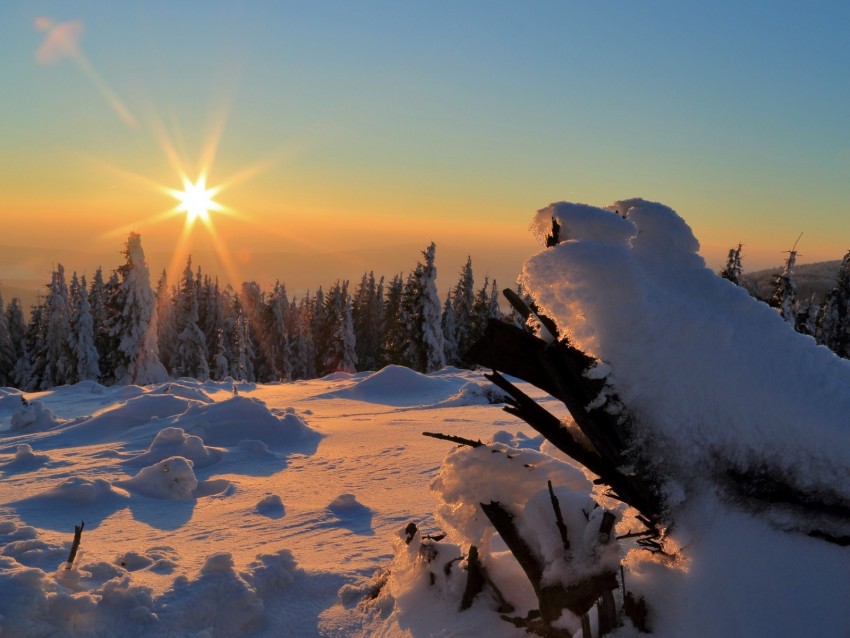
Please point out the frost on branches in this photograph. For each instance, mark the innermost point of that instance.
(698, 415)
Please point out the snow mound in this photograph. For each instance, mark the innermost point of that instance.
(175, 442)
(114, 424)
(184, 387)
(25, 459)
(270, 505)
(171, 478)
(101, 599)
(160, 559)
(400, 386)
(519, 440)
(33, 416)
(472, 393)
(239, 418)
(346, 505)
(79, 491)
(714, 377)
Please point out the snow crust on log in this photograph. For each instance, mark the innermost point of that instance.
(710, 372)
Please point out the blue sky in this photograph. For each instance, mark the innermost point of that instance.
(451, 121)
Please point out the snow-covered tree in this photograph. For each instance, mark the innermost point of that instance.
(28, 369)
(190, 355)
(348, 361)
(785, 290)
(340, 347)
(449, 326)
(733, 269)
(166, 327)
(7, 348)
(97, 303)
(833, 328)
(428, 314)
(55, 366)
(241, 366)
(368, 320)
(481, 309)
(81, 337)
(134, 326)
(396, 322)
(18, 332)
(464, 299)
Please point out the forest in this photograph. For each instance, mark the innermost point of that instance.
(118, 329)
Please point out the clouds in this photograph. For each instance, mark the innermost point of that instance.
(62, 40)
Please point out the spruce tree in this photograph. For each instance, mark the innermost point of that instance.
(449, 326)
(394, 336)
(55, 366)
(134, 325)
(8, 357)
(166, 326)
(733, 269)
(464, 300)
(241, 361)
(428, 314)
(190, 355)
(81, 338)
(17, 332)
(834, 323)
(785, 290)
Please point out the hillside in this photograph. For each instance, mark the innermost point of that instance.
(816, 278)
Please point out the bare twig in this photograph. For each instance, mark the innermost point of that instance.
(78, 534)
(454, 439)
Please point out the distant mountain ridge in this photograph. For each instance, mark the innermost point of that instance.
(812, 279)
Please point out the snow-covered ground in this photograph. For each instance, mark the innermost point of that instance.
(231, 509)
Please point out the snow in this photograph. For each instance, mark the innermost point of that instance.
(235, 509)
(284, 493)
(715, 376)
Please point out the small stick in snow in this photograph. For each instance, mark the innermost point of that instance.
(78, 534)
(454, 439)
(559, 518)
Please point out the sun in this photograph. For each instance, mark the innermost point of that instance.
(196, 200)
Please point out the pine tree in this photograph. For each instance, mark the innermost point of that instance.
(8, 357)
(134, 325)
(221, 368)
(480, 312)
(81, 338)
(281, 348)
(368, 321)
(166, 326)
(394, 337)
(785, 290)
(97, 303)
(241, 361)
(494, 311)
(348, 361)
(258, 316)
(428, 314)
(340, 347)
(55, 365)
(733, 269)
(29, 369)
(190, 355)
(464, 299)
(449, 326)
(17, 333)
(834, 323)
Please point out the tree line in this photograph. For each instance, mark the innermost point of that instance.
(119, 330)
(825, 318)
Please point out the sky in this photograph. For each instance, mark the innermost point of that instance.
(333, 126)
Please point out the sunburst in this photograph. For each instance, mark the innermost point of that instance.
(196, 200)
